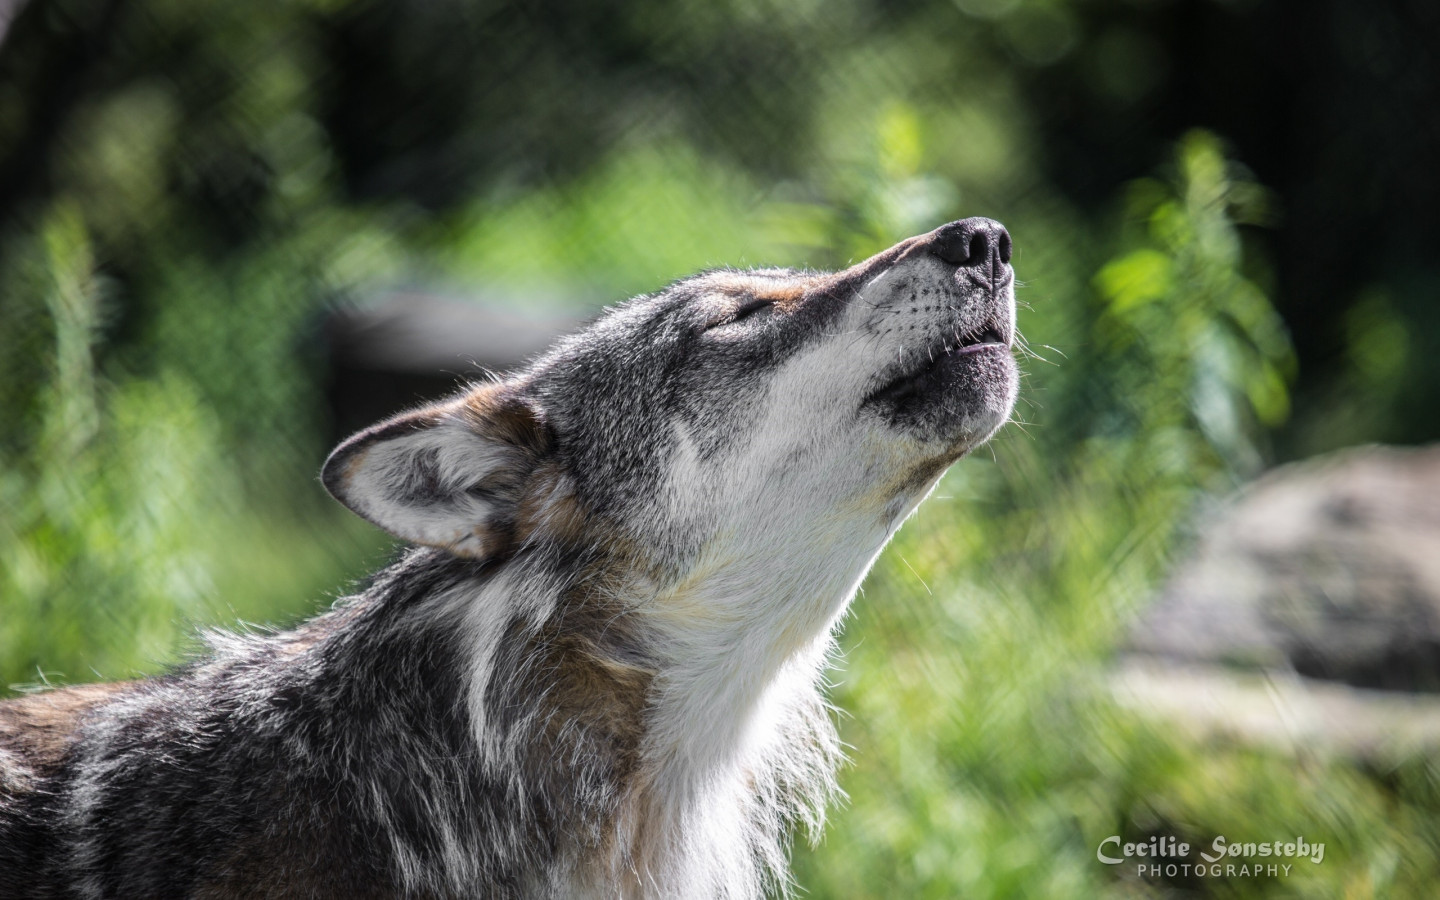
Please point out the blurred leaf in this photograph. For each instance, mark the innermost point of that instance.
(1138, 277)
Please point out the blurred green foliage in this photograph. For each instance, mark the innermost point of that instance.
(190, 186)
(989, 759)
(125, 519)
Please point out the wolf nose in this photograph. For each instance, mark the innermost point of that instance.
(975, 242)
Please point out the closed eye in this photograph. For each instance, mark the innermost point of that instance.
(742, 312)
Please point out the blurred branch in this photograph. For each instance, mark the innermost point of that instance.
(9, 12)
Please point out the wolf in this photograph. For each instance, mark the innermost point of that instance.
(599, 670)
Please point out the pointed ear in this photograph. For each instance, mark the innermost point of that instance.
(447, 476)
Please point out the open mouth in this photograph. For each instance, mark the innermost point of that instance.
(925, 374)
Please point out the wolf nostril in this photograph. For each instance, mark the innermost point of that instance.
(979, 249)
(973, 242)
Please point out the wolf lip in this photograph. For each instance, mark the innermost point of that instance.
(919, 380)
(991, 334)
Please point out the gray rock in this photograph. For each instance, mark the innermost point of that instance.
(1329, 569)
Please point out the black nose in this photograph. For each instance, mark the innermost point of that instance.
(976, 242)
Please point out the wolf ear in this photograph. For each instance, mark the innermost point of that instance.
(447, 476)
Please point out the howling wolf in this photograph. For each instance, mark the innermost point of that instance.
(598, 672)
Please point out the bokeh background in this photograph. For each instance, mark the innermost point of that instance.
(231, 232)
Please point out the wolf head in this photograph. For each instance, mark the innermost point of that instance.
(734, 414)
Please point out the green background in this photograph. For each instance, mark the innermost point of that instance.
(1224, 222)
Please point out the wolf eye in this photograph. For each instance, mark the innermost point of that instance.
(749, 309)
(745, 311)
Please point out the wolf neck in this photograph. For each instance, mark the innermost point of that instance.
(719, 678)
(745, 648)
(739, 744)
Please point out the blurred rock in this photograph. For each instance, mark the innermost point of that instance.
(1318, 579)
(1330, 567)
(1278, 710)
(397, 350)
